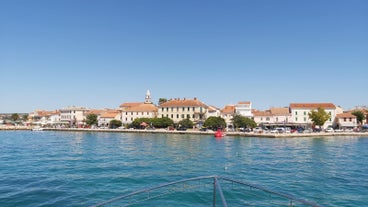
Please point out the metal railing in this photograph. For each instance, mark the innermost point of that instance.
(252, 193)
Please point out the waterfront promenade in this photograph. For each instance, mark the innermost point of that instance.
(196, 132)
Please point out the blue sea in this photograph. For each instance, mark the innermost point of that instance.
(86, 168)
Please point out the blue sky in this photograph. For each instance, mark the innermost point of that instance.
(99, 54)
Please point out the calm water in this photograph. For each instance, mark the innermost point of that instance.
(83, 169)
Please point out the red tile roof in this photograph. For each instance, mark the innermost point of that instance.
(345, 115)
(228, 109)
(143, 107)
(279, 111)
(109, 114)
(262, 113)
(183, 103)
(130, 104)
(312, 105)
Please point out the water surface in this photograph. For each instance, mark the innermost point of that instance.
(83, 169)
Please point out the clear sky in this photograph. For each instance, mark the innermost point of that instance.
(99, 54)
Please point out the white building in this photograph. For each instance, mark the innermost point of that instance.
(345, 121)
(299, 113)
(107, 116)
(244, 108)
(179, 109)
(213, 111)
(73, 115)
(133, 110)
(227, 113)
(273, 117)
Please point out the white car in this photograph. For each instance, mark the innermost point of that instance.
(329, 129)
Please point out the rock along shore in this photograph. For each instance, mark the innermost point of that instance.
(163, 131)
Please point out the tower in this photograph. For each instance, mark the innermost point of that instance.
(148, 98)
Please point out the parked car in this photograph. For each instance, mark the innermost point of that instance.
(329, 129)
(181, 129)
(258, 130)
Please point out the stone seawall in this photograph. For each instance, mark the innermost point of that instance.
(233, 134)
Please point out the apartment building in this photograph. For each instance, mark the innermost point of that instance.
(244, 108)
(73, 115)
(300, 111)
(179, 109)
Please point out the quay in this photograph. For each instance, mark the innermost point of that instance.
(195, 132)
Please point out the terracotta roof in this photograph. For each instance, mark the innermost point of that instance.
(262, 113)
(345, 115)
(95, 111)
(142, 108)
(228, 109)
(109, 114)
(183, 103)
(313, 105)
(130, 104)
(212, 108)
(279, 111)
(244, 102)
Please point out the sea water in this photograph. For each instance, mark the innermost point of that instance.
(85, 168)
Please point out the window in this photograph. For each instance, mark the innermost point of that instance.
(172, 115)
(183, 109)
(296, 113)
(296, 118)
(350, 119)
(193, 116)
(177, 108)
(177, 116)
(305, 119)
(188, 116)
(188, 108)
(344, 119)
(167, 109)
(193, 108)
(268, 119)
(182, 116)
(305, 113)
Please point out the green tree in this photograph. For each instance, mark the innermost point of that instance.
(162, 122)
(187, 123)
(319, 117)
(241, 121)
(359, 116)
(14, 117)
(25, 117)
(138, 121)
(115, 124)
(161, 101)
(91, 119)
(214, 123)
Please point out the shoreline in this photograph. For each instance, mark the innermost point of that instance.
(163, 131)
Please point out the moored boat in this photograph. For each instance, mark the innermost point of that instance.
(219, 133)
